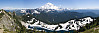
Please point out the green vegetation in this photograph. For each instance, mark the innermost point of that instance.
(25, 18)
(92, 30)
(1, 14)
(56, 18)
(9, 13)
(21, 28)
(89, 28)
(91, 25)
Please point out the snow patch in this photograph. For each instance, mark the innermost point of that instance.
(69, 25)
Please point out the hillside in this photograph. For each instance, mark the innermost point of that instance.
(7, 23)
(92, 30)
(10, 23)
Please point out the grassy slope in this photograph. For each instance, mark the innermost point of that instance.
(93, 30)
(1, 14)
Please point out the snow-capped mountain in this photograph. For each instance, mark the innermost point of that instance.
(23, 11)
(49, 6)
(52, 6)
(35, 11)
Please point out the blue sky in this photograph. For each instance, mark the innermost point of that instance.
(39, 3)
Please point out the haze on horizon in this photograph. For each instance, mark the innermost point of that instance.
(59, 3)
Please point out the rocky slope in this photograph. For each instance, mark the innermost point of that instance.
(7, 22)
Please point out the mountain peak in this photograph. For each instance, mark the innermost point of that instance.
(49, 3)
(49, 6)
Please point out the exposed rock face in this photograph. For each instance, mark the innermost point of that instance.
(7, 22)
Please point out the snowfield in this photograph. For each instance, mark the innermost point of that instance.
(69, 25)
(49, 6)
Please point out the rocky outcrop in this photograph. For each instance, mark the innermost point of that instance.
(7, 22)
